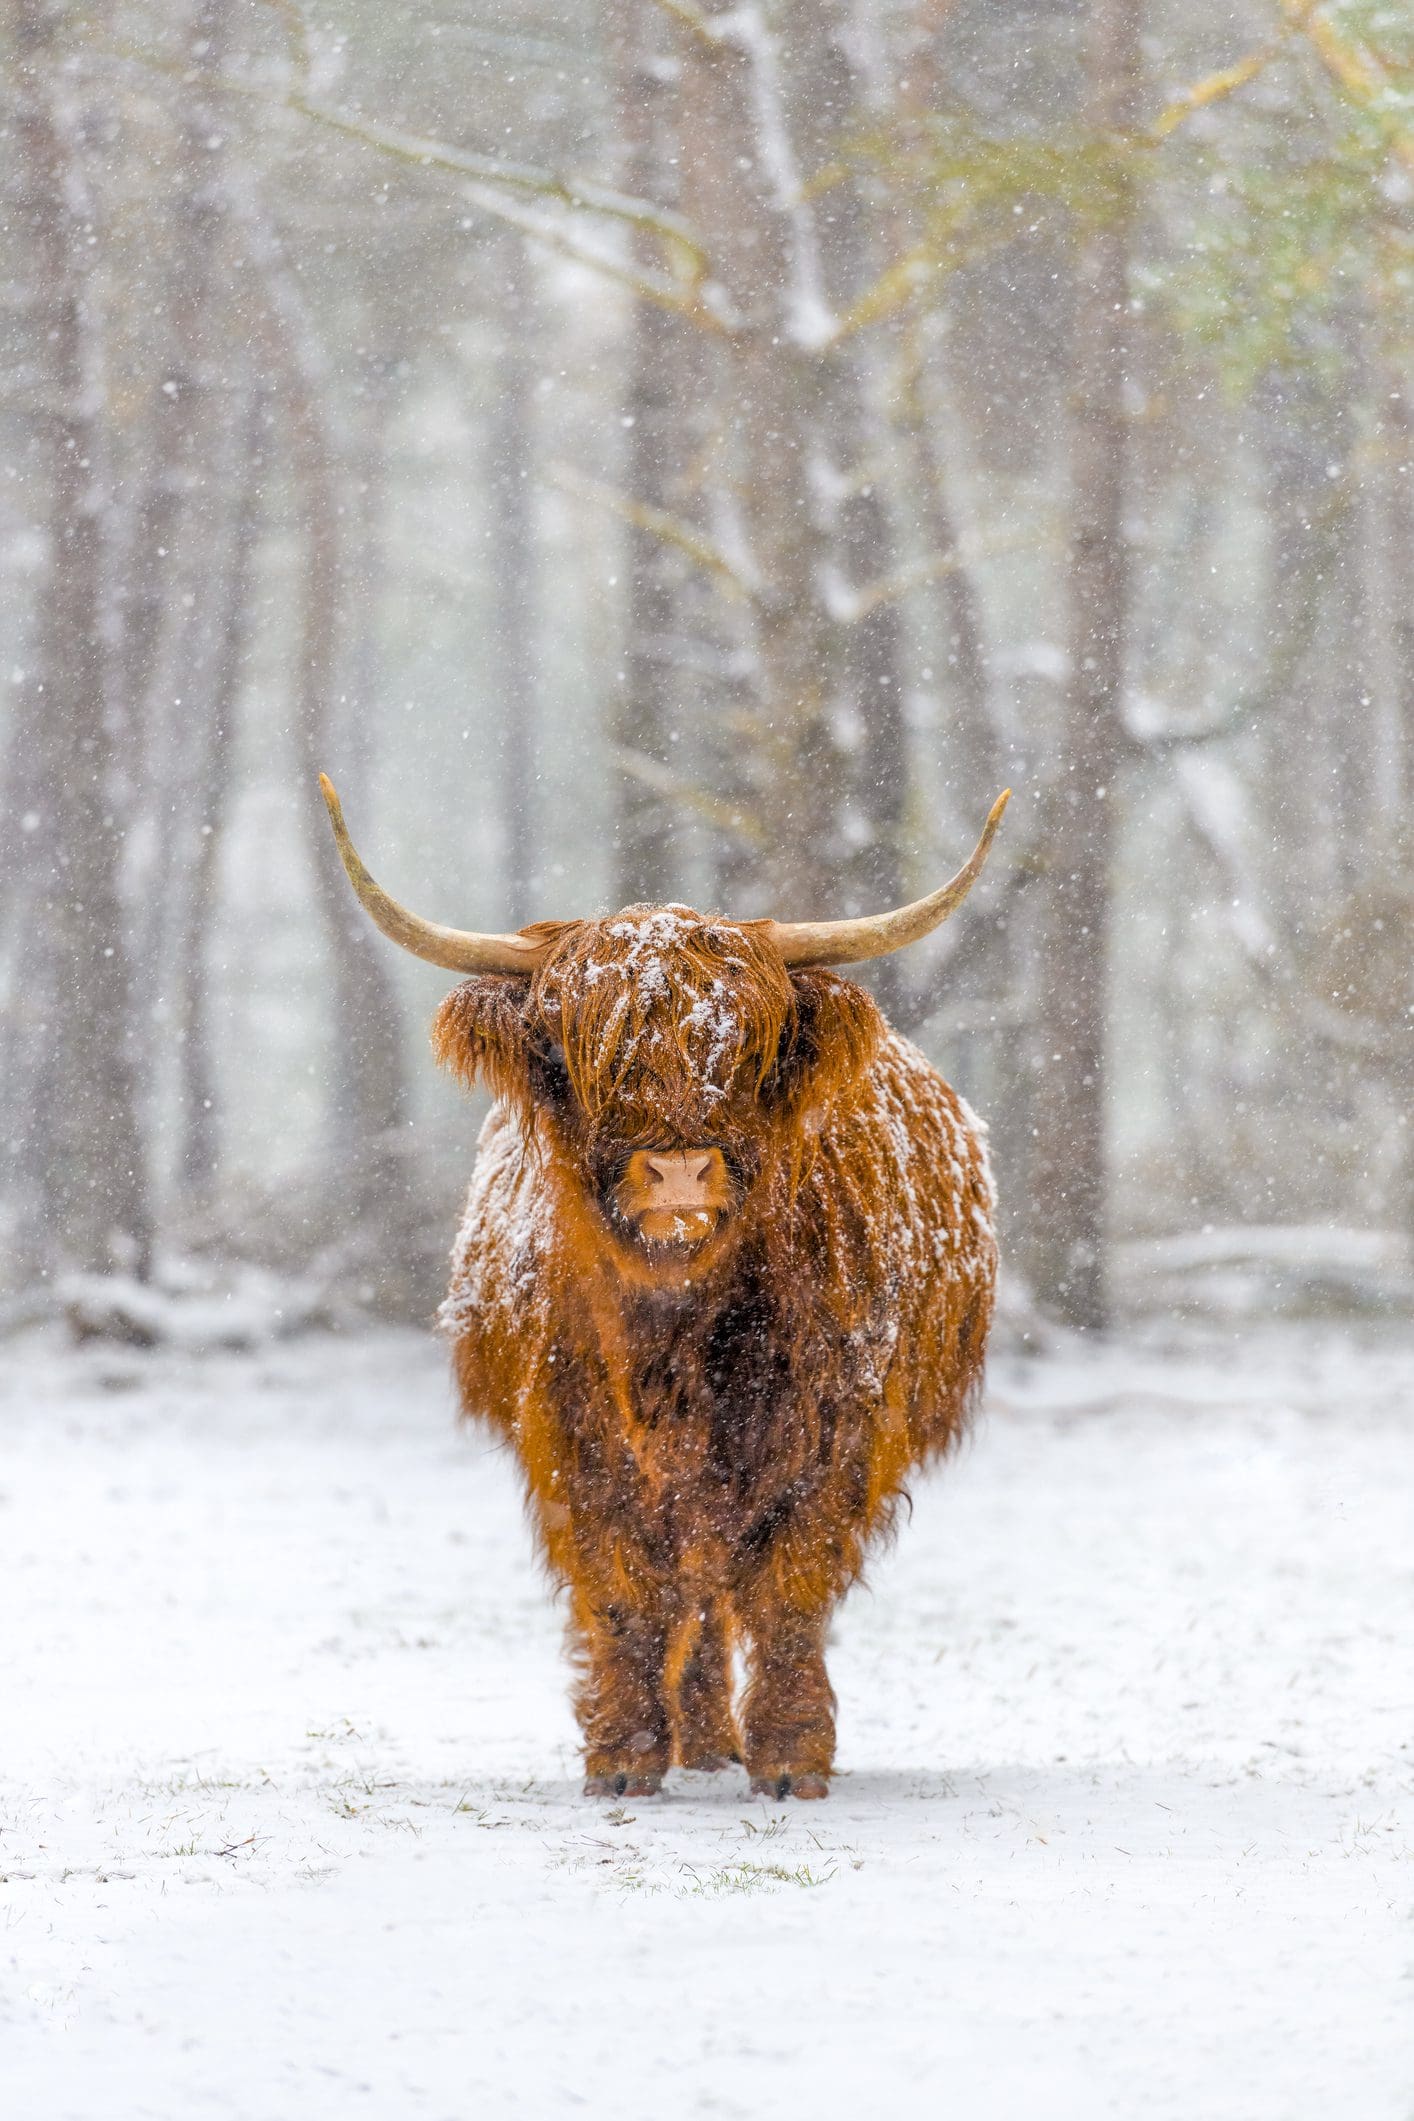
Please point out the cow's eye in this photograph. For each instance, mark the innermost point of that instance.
(549, 1077)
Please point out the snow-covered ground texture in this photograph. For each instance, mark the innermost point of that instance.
(290, 1823)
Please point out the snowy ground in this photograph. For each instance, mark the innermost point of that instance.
(289, 1822)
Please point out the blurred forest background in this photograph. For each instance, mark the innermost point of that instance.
(664, 449)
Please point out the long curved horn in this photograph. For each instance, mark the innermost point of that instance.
(876, 934)
(455, 949)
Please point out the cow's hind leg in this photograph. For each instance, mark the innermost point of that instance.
(620, 1701)
(789, 1712)
(700, 1684)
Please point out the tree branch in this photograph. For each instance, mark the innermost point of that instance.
(659, 523)
(663, 781)
(932, 567)
(901, 280)
(1356, 71)
(1214, 88)
(580, 194)
(652, 287)
(576, 192)
(692, 19)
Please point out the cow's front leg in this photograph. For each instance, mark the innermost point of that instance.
(788, 1716)
(701, 1671)
(620, 1701)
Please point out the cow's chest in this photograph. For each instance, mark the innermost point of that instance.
(700, 1434)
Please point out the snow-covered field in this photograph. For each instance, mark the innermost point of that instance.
(289, 1823)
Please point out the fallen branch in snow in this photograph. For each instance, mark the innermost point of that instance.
(229, 1309)
(1266, 1269)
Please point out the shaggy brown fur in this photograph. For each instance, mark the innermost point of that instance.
(711, 1434)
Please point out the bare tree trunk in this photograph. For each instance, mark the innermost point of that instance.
(370, 454)
(827, 97)
(200, 1146)
(368, 1100)
(1301, 438)
(78, 1143)
(514, 617)
(741, 186)
(1398, 538)
(987, 959)
(175, 644)
(975, 760)
(367, 1156)
(658, 418)
(1069, 1176)
(975, 765)
(874, 663)
(1392, 849)
(149, 537)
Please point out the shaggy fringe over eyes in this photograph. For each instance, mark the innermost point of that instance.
(658, 1013)
(678, 1000)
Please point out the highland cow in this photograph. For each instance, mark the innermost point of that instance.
(724, 1282)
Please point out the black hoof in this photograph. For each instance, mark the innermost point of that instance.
(803, 1786)
(635, 1783)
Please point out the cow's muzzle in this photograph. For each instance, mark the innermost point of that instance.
(675, 1196)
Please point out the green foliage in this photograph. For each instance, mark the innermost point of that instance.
(1277, 241)
(972, 190)
(1255, 223)
(1385, 30)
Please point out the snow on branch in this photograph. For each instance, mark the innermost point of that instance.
(681, 244)
(1217, 808)
(691, 301)
(582, 193)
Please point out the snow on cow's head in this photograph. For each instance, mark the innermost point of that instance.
(668, 1055)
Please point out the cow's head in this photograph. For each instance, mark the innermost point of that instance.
(673, 1057)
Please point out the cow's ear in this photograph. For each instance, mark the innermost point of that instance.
(482, 1034)
(834, 1035)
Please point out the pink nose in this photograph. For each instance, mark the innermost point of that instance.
(680, 1171)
